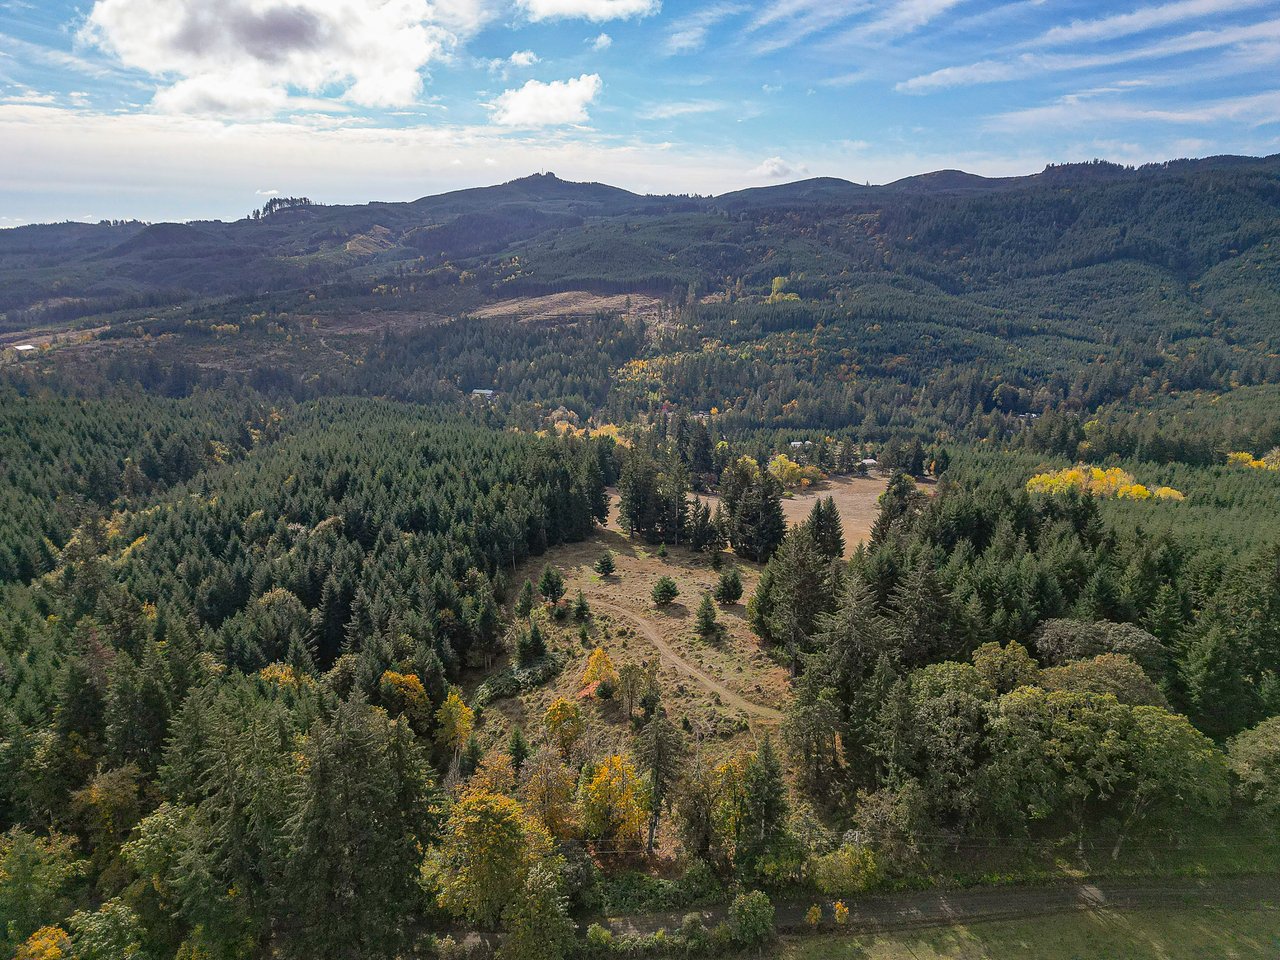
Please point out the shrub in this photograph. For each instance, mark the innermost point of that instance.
(721, 939)
(605, 566)
(813, 917)
(665, 592)
(699, 884)
(846, 871)
(599, 940)
(840, 912)
(751, 919)
(1255, 760)
(696, 937)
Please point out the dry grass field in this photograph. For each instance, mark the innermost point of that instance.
(725, 693)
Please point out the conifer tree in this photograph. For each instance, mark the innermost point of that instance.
(524, 602)
(706, 623)
(729, 587)
(551, 584)
(825, 528)
(658, 751)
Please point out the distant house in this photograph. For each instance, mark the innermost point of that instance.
(24, 347)
(487, 394)
(870, 462)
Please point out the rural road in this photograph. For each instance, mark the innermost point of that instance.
(755, 711)
(902, 911)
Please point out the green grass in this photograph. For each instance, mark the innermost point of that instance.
(1192, 933)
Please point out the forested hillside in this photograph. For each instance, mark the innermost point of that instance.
(448, 578)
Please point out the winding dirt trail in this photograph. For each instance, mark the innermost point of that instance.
(755, 711)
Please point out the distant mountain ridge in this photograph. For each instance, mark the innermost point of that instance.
(541, 233)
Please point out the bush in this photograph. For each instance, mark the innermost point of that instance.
(846, 871)
(605, 566)
(1255, 760)
(665, 592)
(751, 918)
(599, 941)
(699, 884)
(721, 939)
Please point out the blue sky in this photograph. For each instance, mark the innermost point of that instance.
(181, 109)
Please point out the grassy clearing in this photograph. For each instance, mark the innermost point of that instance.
(623, 617)
(1175, 933)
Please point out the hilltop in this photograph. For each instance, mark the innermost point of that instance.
(542, 233)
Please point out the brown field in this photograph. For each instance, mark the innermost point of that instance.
(570, 305)
(730, 691)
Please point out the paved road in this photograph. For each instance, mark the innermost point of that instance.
(943, 907)
(755, 711)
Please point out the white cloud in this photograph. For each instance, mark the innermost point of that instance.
(791, 21)
(602, 42)
(984, 71)
(518, 60)
(251, 56)
(1136, 21)
(689, 34)
(775, 168)
(1079, 110)
(23, 94)
(989, 71)
(852, 78)
(539, 104)
(684, 108)
(597, 10)
(908, 15)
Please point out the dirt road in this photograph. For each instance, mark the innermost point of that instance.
(754, 711)
(903, 911)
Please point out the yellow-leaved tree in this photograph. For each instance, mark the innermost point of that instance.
(731, 796)
(489, 847)
(600, 670)
(1111, 482)
(496, 773)
(564, 725)
(403, 695)
(47, 943)
(613, 804)
(454, 723)
(546, 790)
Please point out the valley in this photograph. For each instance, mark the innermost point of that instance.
(613, 575)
